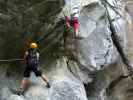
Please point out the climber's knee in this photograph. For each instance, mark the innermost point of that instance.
(24, 83)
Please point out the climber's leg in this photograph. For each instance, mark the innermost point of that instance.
(38, 73)
(23, 85)
(67, 21)
(24, 81)
(75, 19)
(46, 80)
(75, 25)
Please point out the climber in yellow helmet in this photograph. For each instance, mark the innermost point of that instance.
(33, 45)
(32, 60)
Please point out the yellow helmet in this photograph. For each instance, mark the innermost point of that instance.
(33, 45)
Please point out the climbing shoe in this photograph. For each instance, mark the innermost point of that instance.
(17, 91)
(20, 92)
(48, 85)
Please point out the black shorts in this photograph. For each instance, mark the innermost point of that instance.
(30, 69)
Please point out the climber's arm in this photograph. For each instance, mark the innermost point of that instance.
(25, 56)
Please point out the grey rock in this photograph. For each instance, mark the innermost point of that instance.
(15, 97)
(64, 86)
(97, 48)
(92, 60)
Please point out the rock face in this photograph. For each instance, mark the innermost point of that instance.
(89, 67)
(64, 86)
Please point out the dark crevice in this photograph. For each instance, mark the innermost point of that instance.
(118, 46)
(124, 58)
(88, 89)
(70, 69)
